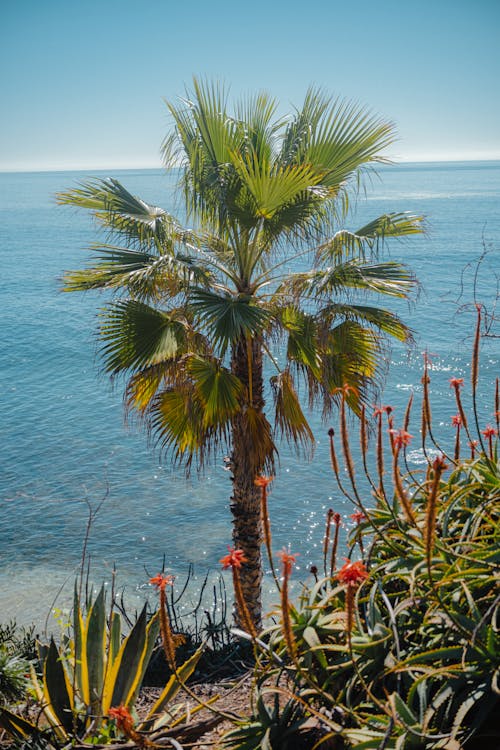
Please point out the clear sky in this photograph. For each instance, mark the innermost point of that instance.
(82, 82)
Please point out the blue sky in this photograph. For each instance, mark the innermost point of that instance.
(83, 81)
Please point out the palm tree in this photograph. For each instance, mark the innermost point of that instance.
(267, 262)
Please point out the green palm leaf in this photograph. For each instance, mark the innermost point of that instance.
(143, 274)
(289, 417)
(120, 212)
(137, 335)
(390, 278)
(351, 357)
(218, 390)
(383, 320)
(229, 317)
(302, 345)
(369, 237)
(273, 187)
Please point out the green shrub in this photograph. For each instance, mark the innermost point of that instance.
(400, 649)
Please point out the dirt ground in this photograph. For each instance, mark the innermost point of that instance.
(204, 728)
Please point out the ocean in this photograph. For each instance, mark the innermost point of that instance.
(66, 447)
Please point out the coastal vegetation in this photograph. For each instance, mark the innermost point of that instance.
(266, 270)
(395, 647)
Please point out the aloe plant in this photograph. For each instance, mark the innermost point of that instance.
(400, 649)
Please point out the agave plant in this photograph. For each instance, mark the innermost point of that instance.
(95, 671)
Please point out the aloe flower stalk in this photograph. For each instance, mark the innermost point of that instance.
(457, 422)
(344, 435)
(438, 466)
(351, 575)
(161, 581)
(234, 560)
(358, 517)
(263, 483)
(326, 539)
(378, 413)
(401, 438)
(335, 544)
(288, 560)
(456, 384)
(497, 404)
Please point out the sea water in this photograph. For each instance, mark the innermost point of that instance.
(65, 445)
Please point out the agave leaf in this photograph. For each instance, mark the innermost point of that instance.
(114, 637)
(95, 646)
(81, 662)
(152, 631)
(122, 676)
(16, 726)
(172, 687)
(56, 689)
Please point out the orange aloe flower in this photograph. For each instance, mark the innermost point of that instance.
(489, 432)
(235, 559)
(456, 420)
(456, 383)
(288, 559)
(352, 574)
(161, 581)
(125, 723)
(263, 481)
(358, 517)
(401, 438)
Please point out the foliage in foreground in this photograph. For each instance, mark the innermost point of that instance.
(396, 650)
(89, 683)
(17, 648)
(400, 649)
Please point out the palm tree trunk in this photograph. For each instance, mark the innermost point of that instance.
(246, 465)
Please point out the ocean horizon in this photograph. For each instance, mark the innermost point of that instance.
(66, 445)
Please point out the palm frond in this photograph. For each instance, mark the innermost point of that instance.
(346, 244)
(261, 129)
(384, 320)
(143, 274)
(229, 318)
(260, 443)
(346, 139)
(351, 355)
(122, 213)
(176, 422)
(136, 336)
(302, 342)
(217, 389)
(289, 417)
(389, 278)
(204, 137)
(272, 188)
